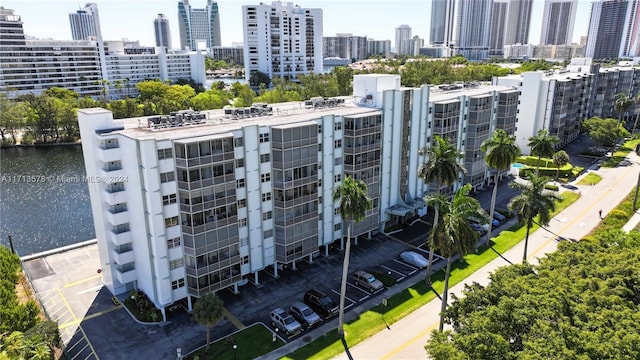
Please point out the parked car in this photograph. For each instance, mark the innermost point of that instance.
(498, 216)
(367, 281)
(285, 322)
(625, 162)
(569, 186)
(495, 222)
(321, 303)
(415, 259)
(478, 228)
(303, 314)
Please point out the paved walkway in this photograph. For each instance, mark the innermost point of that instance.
(406, 338)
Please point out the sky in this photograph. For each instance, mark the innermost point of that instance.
(133, 19)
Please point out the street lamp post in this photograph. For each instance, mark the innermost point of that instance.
(235, 352)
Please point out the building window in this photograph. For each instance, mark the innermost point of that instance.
(337, 227)
(264, 137)
(174, 264)
(336, 211)
(337, 144)
(169, 199)
(165, 154)
(238, 142)
(319, 129)
(337, 178)
(175, 242)
(244, 260)
(172, 221)
(337, 126)
(267, 215)
(239, 163)
(242, 203)
(166, 177)
(265, 177)
(175, 285)
(240, 183)
(319, 182)
(337, 161)
(266, 196)
(242, 222)
(264, 158)
(267, 234)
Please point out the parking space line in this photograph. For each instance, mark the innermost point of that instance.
(81, 281)
(363, 290)
(64, 300)
(390, 269)
(88, 317)
(405, 264)
(345, 296)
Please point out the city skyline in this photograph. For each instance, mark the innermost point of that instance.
(136, 23)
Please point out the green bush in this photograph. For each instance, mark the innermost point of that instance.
(141, 307)
(551, 187)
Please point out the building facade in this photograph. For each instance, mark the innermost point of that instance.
(85, 23)
(613, 29)
(345, 46)
(199, 27)
(162, 31)
(473, 28)
(378, 47)
(403, 33)
(282, 40)
(442, 22)
(558, 20)
(518, 22)
(229, 54)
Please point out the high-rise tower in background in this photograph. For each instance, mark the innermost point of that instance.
(509, 24)
(85, 23)
(442, 22)
(558, 20)
(613, 29)
(473, 28)
(403, 33)
(162, 32)
(282, 40)
(199, 27)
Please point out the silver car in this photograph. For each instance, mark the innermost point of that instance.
(304, 314)
(283, 321)
(367, 281)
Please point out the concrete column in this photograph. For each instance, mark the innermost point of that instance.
(326, 250)
(293, 266)
(235, 288)
(355, 240)
(189, 304)
(256, 281)
(164, 313)
(310, 259)
(275, 269)
(342, 243)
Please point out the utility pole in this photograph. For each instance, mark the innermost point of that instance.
(635, 198)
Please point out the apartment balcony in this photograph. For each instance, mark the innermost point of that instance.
(109, 155)
(123, 257)
(119, 239)
(125, 274)
(115, 197)
(115, 218)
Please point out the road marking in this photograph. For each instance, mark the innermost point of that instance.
(345, 295)
(390, 354)
(93, 289)
(81, 281)
(64, 300)
(407, 265)
(88, 317)
(390, 269)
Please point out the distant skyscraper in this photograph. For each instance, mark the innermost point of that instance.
(85, 23)
(442, 21)
(403, 32)
(518, 22)
(161, 28)
(199, 26)
(282, 40)
(473, 28)
(498, 27)
(613, 29)
(558, 20)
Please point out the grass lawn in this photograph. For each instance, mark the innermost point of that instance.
(623, 151)
(400, 305)
(590, 179)
(251, 342)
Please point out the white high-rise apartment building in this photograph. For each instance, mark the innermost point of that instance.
(442, 22)
(473, 28)
(614, 29)
(85, 25)
(199, 28)
(403, 33)
(186, 210)
(558, 19)
(282, 39)
(162, 31)
(509, 24)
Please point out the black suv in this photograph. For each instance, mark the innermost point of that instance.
(321, 303)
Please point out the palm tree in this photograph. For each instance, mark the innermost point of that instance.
(354, 203)
(442, 166)
(534, 200)
(560, 159)
(207, 311)
(454, 234)
(543, 145)
(500, 151)
(621, 103)
(636, 101)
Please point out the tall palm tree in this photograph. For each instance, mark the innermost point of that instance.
(354, 203)
(621, 103)
(207, 311)
(443, 167)
(560, 159)
(534, 200)
(500, 151)
(543, 145)
(636, 101)
(454, 234)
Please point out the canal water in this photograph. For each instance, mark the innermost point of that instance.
(44, 202)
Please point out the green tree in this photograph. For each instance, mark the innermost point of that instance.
(621, 103)
(208, 311)
(344, 80)
(152, 89)
(636, 102)
(243, 94)
(500, 151)
(454, 234)
(259, 78)
(210, 99)
(604, 131)
(354, 202)
(533, 201)
(12, 115)
(125, 108)
(560, 159)
(443, 167)
(543, 145)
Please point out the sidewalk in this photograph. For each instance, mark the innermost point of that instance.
(407, 337)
